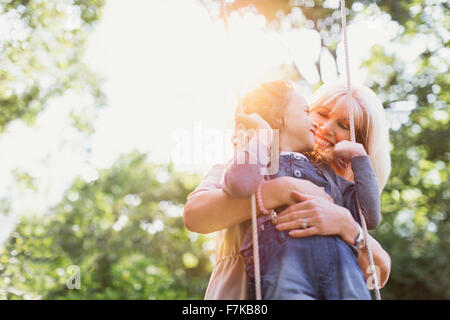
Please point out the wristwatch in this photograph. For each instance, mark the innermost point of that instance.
(359, 241)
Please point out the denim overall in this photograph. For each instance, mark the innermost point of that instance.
(316, 267)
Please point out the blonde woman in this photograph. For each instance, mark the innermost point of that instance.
(210, 209)
(329, 109)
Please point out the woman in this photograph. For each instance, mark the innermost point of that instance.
(210, 209)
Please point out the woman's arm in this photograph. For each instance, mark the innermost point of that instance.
(381, 258)
(211, 210)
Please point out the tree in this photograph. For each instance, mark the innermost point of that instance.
(41, 56)
(123, 230)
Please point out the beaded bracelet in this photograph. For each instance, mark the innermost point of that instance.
(261, 207)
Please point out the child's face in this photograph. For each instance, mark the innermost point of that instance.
(299, 128)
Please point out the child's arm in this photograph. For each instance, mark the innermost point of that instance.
(243, 175)
(365, 182)
(366, 188)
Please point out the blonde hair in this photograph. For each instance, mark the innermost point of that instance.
(371, 128)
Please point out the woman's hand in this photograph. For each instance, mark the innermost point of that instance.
(322, 216)
(305, 187)
(345, 150)
(279, 193)
(382, 262)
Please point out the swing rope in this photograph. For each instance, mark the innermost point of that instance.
(256, 250)
(353, 139)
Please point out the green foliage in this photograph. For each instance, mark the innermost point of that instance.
(124, 231)
(315, 10)
(415, 229)
(41, 55)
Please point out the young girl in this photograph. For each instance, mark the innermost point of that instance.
(295, 268)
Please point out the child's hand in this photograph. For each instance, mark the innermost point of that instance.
(252, 121)
(254, 124)
(345, 150)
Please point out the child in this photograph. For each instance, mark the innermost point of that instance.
(295, 268)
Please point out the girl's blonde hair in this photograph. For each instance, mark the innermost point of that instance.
(371, 128)
(270, 101)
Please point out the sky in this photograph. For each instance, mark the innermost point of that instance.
(170, 77)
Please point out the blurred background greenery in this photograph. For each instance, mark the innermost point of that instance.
(123, 227)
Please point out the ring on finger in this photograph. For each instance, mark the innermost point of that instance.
(305, 223)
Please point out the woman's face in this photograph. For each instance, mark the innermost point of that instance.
(333, 124)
